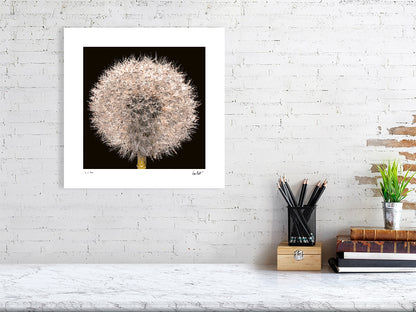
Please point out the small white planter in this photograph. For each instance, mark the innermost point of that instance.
(392, 215)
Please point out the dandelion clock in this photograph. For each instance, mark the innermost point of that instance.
(144, 108)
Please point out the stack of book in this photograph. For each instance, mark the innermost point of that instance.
(375, 250)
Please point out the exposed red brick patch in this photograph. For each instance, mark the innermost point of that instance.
(378, 142)
(377, 192)
(391, 143)
(375, 169)
(407, 205)
(403, 131)
(410, 167)
(366, 180)
(409, 156)
(412, 181)
(414, 119)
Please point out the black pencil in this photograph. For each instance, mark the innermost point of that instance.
(313, 194)
(296, 221)
(302, 192)
(290, 192)
(319, 194)
(298, 224)
(286, 192)
(315, 201)
(302, 221)
(295, 227)
(283, 194)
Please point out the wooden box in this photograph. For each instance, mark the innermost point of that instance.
(299, 258)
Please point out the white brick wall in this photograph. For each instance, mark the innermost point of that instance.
(307, 83)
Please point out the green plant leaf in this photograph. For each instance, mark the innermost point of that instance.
(391, 189)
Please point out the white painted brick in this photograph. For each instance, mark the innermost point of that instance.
(303, 79)
(36, 57)
(34, 152)
(399, 19)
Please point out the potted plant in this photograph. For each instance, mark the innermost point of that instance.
(393, 190)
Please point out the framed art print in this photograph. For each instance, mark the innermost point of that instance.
(144, 108)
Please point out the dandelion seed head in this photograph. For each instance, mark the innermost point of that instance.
(144, 106)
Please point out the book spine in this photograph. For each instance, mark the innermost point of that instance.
(382, 235)
(376, 246)
(375, 263)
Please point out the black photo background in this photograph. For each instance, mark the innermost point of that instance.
(190, 60)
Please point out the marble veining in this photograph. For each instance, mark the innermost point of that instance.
(198, 287)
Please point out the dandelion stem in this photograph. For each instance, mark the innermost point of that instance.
(141, 162)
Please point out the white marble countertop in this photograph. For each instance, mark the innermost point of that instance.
(198, 287)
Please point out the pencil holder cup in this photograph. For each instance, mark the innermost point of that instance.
(302, 226)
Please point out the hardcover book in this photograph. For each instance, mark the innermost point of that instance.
(375, 263)
(381, 234)
(333, 262)
(345, 244)
(377, 255)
